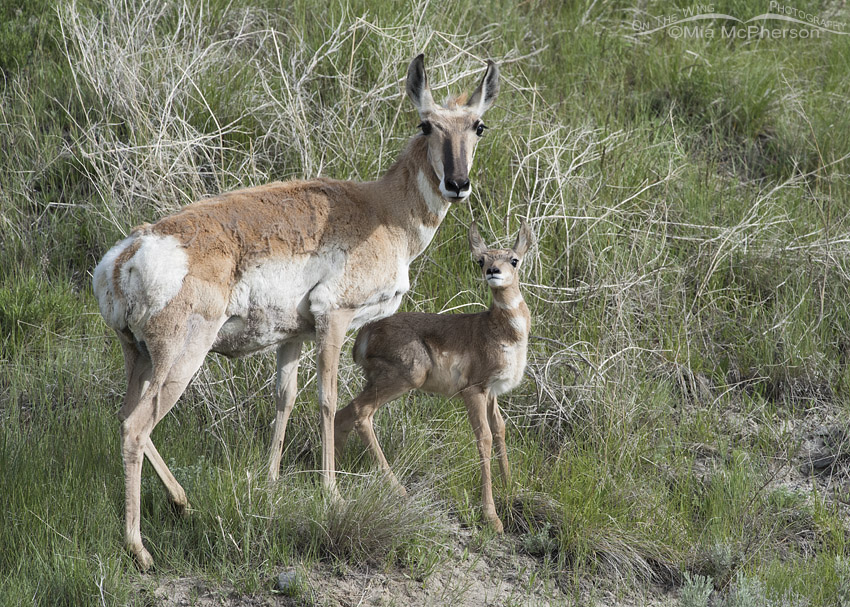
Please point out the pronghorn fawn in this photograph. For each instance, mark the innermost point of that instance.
(271, 267)
(478, 356)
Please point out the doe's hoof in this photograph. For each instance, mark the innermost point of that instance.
(143, 557)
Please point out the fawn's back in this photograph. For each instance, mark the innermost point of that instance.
(448, 353)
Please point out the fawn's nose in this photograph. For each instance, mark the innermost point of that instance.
(494, 271)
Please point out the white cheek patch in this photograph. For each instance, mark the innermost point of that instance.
(437, 205)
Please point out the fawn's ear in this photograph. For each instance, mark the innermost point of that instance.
(524, 239)
(476, 244)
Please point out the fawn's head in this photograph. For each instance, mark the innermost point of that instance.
(452, 130)
(500, 266)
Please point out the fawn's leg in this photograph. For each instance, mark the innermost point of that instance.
(476, 409)
(497, 427)
(359, 415)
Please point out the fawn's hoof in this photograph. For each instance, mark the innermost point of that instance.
(495, 524)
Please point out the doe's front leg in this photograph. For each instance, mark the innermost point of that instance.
(330, 334)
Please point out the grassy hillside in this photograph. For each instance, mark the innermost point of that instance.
(689, 294)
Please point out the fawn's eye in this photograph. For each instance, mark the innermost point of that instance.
(514, 261)
(481, 262)
(426, 127)
(479, 128)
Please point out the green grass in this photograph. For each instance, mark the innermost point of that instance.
(689, 292)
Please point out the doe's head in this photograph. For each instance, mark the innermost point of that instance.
(452, 130)
(500, 266)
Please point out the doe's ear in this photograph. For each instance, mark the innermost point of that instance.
(417, 87)
(476, 244)
(484, 96)
(524, 239)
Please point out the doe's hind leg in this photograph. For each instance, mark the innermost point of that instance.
(174, 361)
(176, 493)
(139, 369)
(286, 386)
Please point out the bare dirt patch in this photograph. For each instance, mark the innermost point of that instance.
(477, 573)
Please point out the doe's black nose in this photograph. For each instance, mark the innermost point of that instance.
(457, 185)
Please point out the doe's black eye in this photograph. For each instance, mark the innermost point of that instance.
(479, 128)
(426, 127)
(514, 261)
(481, 262)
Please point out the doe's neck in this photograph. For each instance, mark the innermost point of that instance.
(410, 192)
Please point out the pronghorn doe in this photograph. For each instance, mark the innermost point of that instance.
(270, 267)
(478, 356)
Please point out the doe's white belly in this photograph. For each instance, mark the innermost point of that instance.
(277, 301)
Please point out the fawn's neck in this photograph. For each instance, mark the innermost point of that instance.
(508, 310)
